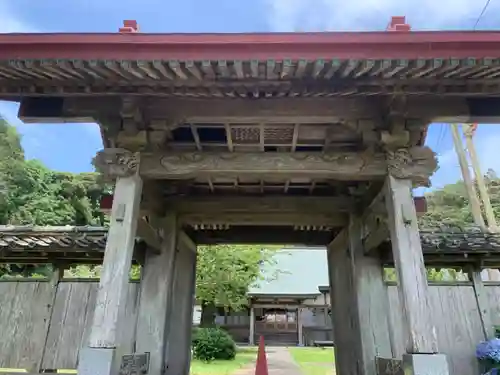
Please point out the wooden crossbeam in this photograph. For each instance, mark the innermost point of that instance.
(267, 204)
(173, 111)
(415, 163)
(339, 165)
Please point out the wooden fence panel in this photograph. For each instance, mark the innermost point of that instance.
(457, 321)
(71, 320)
(128, 330)
(67, 332)
(25, 307)
(493, 293)
(24, 311)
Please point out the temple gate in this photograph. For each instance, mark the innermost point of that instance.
(316, 139)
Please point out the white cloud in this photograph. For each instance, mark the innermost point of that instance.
(321, 15)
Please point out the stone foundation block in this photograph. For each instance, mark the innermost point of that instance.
(425, 364)
(96, 361)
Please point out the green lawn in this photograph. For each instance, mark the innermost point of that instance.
(314, 361)
(245, 356)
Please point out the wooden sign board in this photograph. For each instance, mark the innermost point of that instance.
(134, 364)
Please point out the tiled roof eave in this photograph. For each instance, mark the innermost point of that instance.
(46, 244)
(324, 77)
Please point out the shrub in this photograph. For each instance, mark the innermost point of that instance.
(213, 343)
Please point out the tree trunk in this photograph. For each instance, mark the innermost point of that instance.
(208, 312)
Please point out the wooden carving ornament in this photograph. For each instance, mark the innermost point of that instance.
(186, 163)
(116, 162)
(415, 163)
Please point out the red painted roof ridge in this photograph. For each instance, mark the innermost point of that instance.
(374, 37)
(397, 42)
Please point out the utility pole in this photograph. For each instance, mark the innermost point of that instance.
(469, 131)
(469, 186)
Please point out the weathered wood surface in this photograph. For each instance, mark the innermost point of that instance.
(409, 263)
(415, 162)
(454, 312)
(112, 293)
(482, 303)
(72, 319)
(456, 318)
(156, 297)
(178, 347)
(262, 204)
(24, 308)
(359, 308)
(389, 366)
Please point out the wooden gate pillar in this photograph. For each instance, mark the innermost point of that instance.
(420, 332)
(178, 348)
(359, 304)
(98, 358)
(155, 300)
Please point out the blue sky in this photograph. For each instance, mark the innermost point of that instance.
(70, 147)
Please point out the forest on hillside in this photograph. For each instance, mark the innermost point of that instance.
(31, 193)
(449, 206)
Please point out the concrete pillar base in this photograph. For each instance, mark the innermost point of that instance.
(425, 364)
(96, 361)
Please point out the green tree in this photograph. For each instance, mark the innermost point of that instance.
(32, 194)
(225, 273)
(433, 274)
(448, 208)
(11, 159)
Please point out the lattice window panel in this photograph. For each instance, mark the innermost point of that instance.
(281, 134)
(245, 135)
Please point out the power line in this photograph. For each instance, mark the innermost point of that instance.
(440, 137)
(482, 13)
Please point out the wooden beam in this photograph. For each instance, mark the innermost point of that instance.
(185, 165)
(212, 220)
(185, 242)
(360, 298)
(261, 235)
(410, 268)
(149, 234)
(178, 349)
(155, 298)
(190, 110)
(112, 294)
(416, 163)
(374, 221)
(265, 204)
(431, 108)
(482, 302)
(340, 241)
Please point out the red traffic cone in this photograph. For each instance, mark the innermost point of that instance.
(261, 364)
